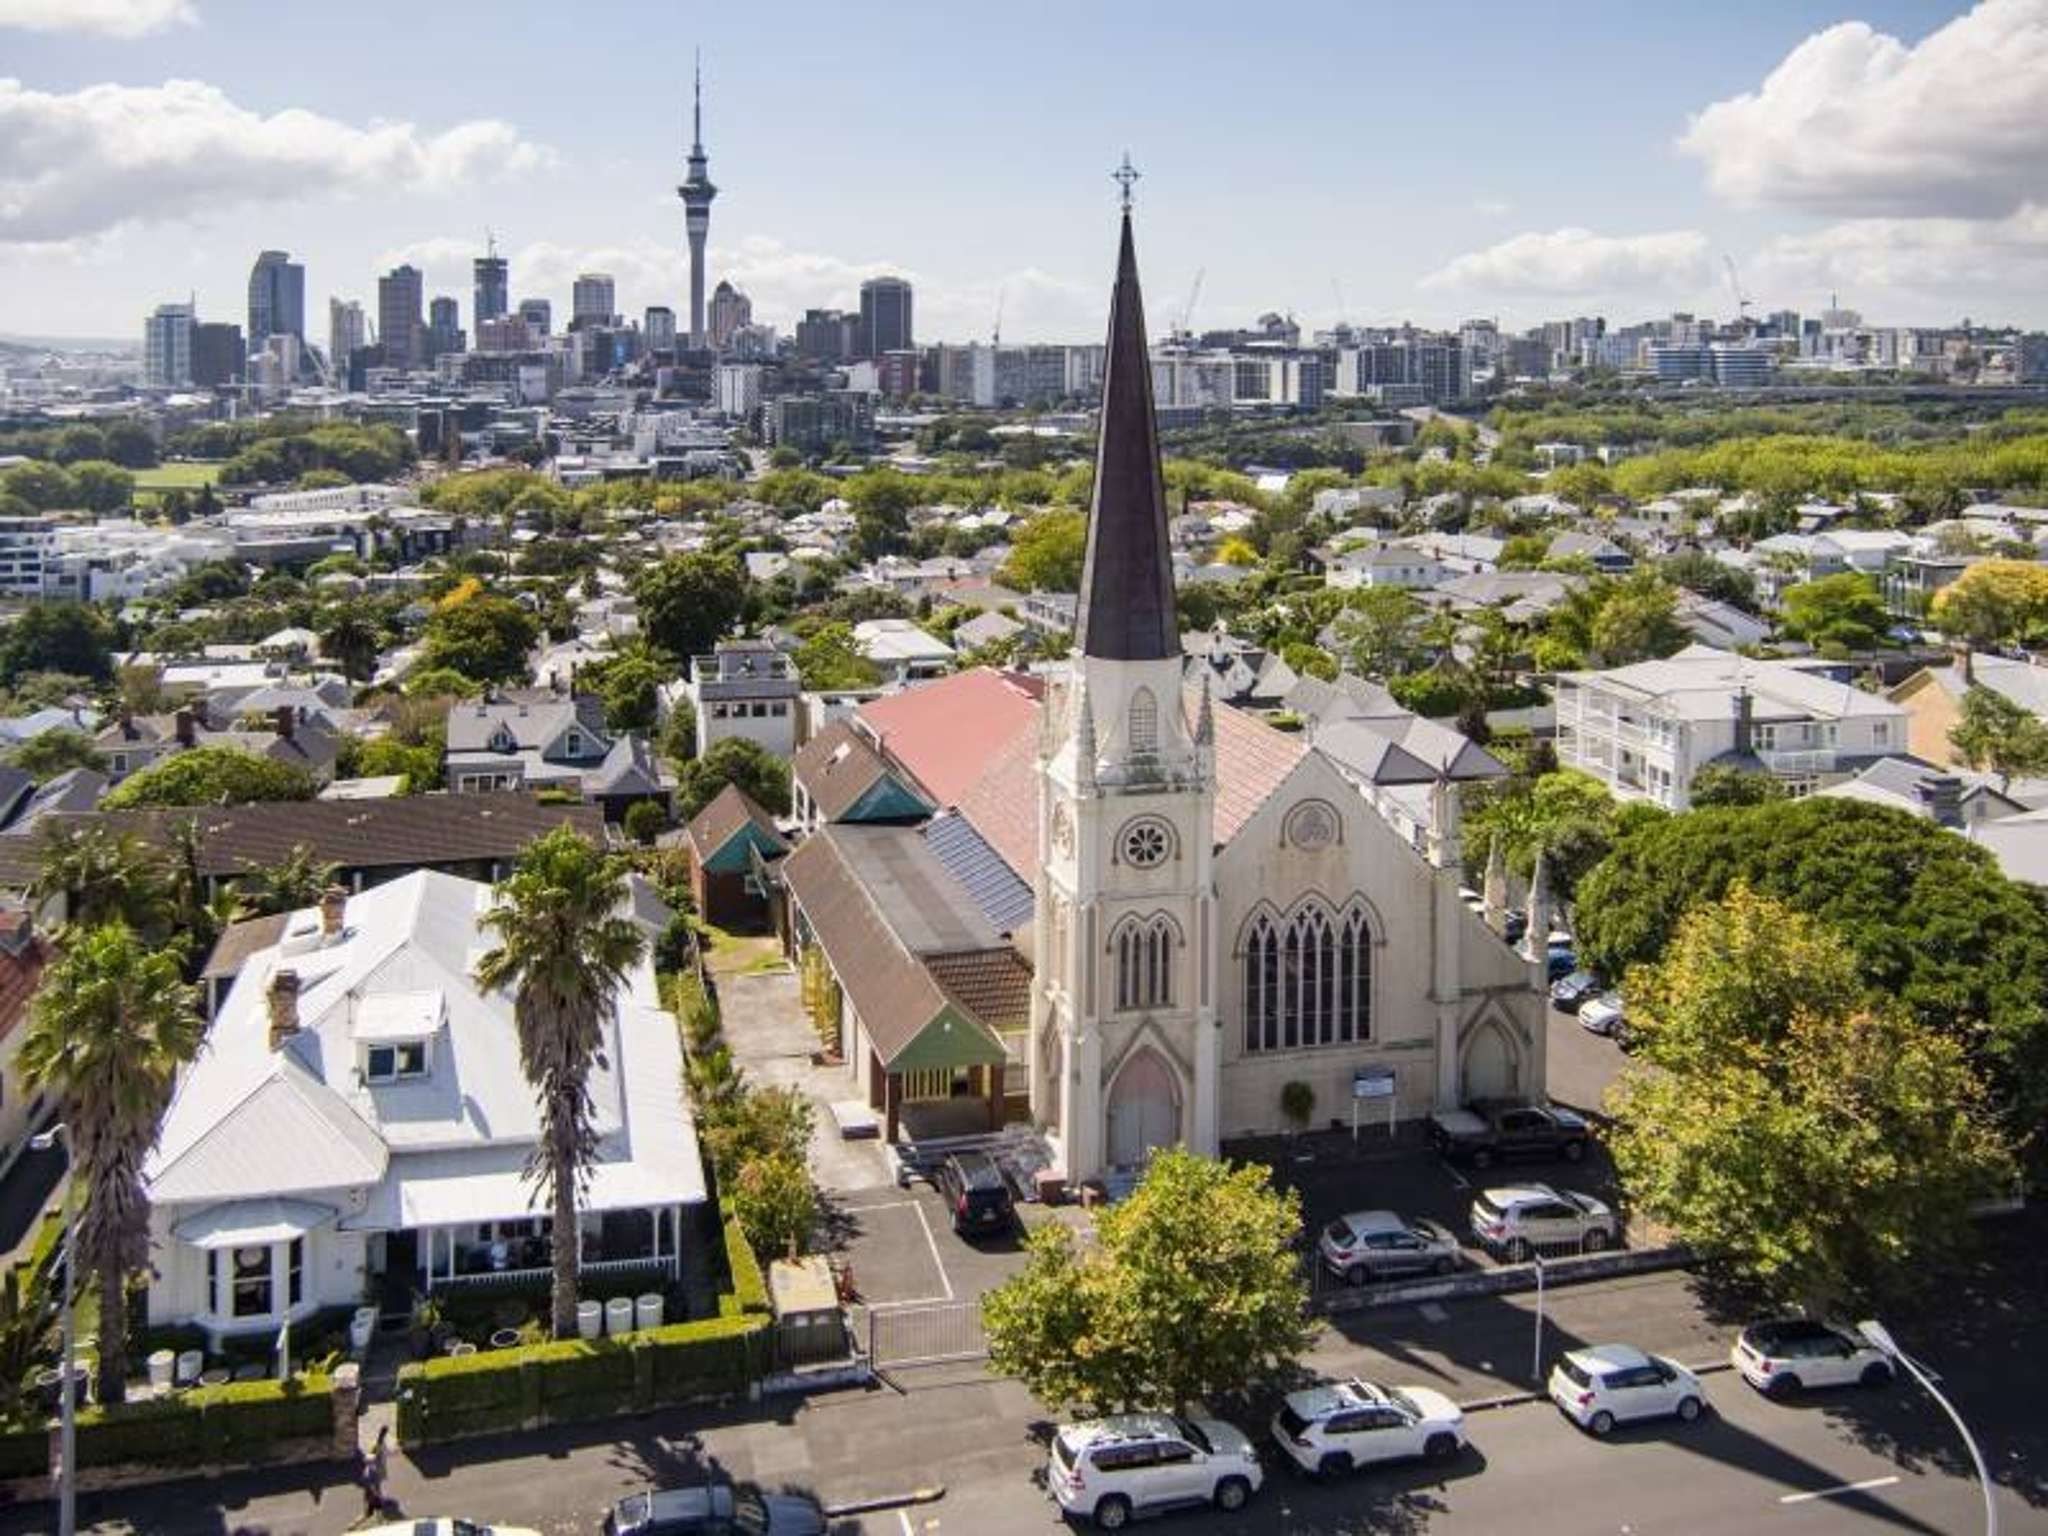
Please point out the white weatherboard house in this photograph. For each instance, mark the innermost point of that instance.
(356, 1126)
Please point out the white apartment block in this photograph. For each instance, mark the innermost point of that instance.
(115, 561)
(1646, 730)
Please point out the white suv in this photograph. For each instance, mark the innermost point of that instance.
(1115, 1469)
(1331, 1429)
(1526, 1218)
(1779, 1358)
(1599, 1386)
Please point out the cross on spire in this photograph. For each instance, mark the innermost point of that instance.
(1125, 176)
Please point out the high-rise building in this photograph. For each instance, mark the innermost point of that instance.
(659, 327)
(277, 299)
(538, 314)
(346, 331)
(444, 328)
(493, 287)
(507, 333)
(219, 355)
(884, 317)
(400, 330)
(739, 390)
(167, 346)
(730, 310)
(697, 193)
(825, 335)
(593, 300)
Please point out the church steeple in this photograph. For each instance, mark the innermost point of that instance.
(1127, 607)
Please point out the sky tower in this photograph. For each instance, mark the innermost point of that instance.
(696, 193)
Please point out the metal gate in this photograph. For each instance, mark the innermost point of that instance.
(925, 1333)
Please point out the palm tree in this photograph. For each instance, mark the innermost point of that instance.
(100, 876)
(111, 1025)
(299, 879)
(564, 950)
(350, 640)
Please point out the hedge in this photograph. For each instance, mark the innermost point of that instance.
(749, 1292)
(24, 1452)
(572, 1379)
(237, 1422)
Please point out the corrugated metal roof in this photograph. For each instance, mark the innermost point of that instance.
(1001, 894)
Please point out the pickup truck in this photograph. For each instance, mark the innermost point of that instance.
(1484, 1134)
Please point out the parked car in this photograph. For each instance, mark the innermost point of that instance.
(1112, 1470)
(1786, 1355)
(977, 1193)
(445, 1527)
(1521, 1219)
(714, 1508)
(1332, 1429)
(1374, 1245)
(1600, 1386)
(1576, 988)
(1603, 1014)
(1559, 961)
(1484, 1133)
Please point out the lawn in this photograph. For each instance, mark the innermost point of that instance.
(182, 476)
(736, 954)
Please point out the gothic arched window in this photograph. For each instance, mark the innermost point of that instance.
(1144, 724)
(1144, 963)
(1308, 978)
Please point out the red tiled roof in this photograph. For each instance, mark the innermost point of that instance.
(1251, 760)
(1002, 805)
(942, 732)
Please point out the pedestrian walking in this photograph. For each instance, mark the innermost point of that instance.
(374, 1464)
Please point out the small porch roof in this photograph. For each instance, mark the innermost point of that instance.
(234, 1223)
(438, 1189)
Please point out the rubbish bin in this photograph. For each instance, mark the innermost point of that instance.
(589, 1319)
(163, 1368)
(647, 1311)
(190, 1364)
(361, 1326)
(618, 1315)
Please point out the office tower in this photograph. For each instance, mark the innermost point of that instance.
(538, 314)
(444, 328)
(493, 286)
(345, 331)
(507, 333)
(399, 328)
(660, 328)
(884, 317)
(825, 335)
(730, 310)
(592, 300)
(277, 298)
(219, 355)
(167, 347)
(697, 193)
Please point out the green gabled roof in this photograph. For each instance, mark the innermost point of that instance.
(948, 1039)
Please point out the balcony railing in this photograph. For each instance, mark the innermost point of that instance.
(528, 1279)
(1796, 762)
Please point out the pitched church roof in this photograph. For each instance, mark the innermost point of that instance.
(1127, 611)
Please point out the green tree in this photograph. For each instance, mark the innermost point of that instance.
(629, 686)
(1927, 914)
(1717, 786)
(1835, 614)
(419, 764)
(1994, 603)
(111, 1025)
(1567, 816)
(776, 1204)
(1191, 1290)
(1638, 620)
(1046, 553)
(1379, 632)
(58, 637)
(350, 640)
(291, 884)
(1309, 660)
(564, 951)
(211, 776)
(689, 602)
(645, 820)
(441, 682)
(103, 487)
(881, 501)
(45, 487)
(762, 775)
(1994, 734)
(1822, 1141)
(829, 659)
(482, 637)
(99, 876)
(53, 752)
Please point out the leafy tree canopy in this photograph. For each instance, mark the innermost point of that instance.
(759, 773)
(1718, 786)
(1836, 614)
(483, 637)
(1047, 552)
(688, 602)
(44, 757)
(211, 776)
(58, 637)
(1994, 603)
(829, 659)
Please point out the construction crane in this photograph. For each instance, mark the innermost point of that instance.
(1743, 302)
(1001, 293)
(1187, 314)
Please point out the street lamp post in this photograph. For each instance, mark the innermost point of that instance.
(1880, 1338)
(67, 1439)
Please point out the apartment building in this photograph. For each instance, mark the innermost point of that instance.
(1646, 730)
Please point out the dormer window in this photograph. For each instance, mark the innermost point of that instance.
(501, 741)
(398, 1062)
(573, 744)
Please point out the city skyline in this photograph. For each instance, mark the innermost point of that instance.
(1561, 168)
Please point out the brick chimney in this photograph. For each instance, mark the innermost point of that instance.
(286, 718)
(185, 727)
(284, 1007)
(333, 912)
(1942, 794)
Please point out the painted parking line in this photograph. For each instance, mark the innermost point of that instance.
(1828, 1493)
(931, 1242)
(1457, 1178)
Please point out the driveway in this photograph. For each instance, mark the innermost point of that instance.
(771, 1040)
(1580, 1064)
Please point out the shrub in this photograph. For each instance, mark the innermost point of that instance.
(24, 1452)
(749, 1291)
(240, 1421)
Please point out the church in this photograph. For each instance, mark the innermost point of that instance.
(1096, 900)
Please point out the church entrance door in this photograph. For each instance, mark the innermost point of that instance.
(1144, 1110)
(1491, 1070)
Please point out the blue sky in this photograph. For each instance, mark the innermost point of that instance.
(1428, 162)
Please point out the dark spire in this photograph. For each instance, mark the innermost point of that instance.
(1127, 611)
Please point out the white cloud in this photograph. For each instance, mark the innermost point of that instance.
(108, 18)
(1856, 122)
(107, 156)
(1928, 261)
(782, 281)
(1572, 262)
